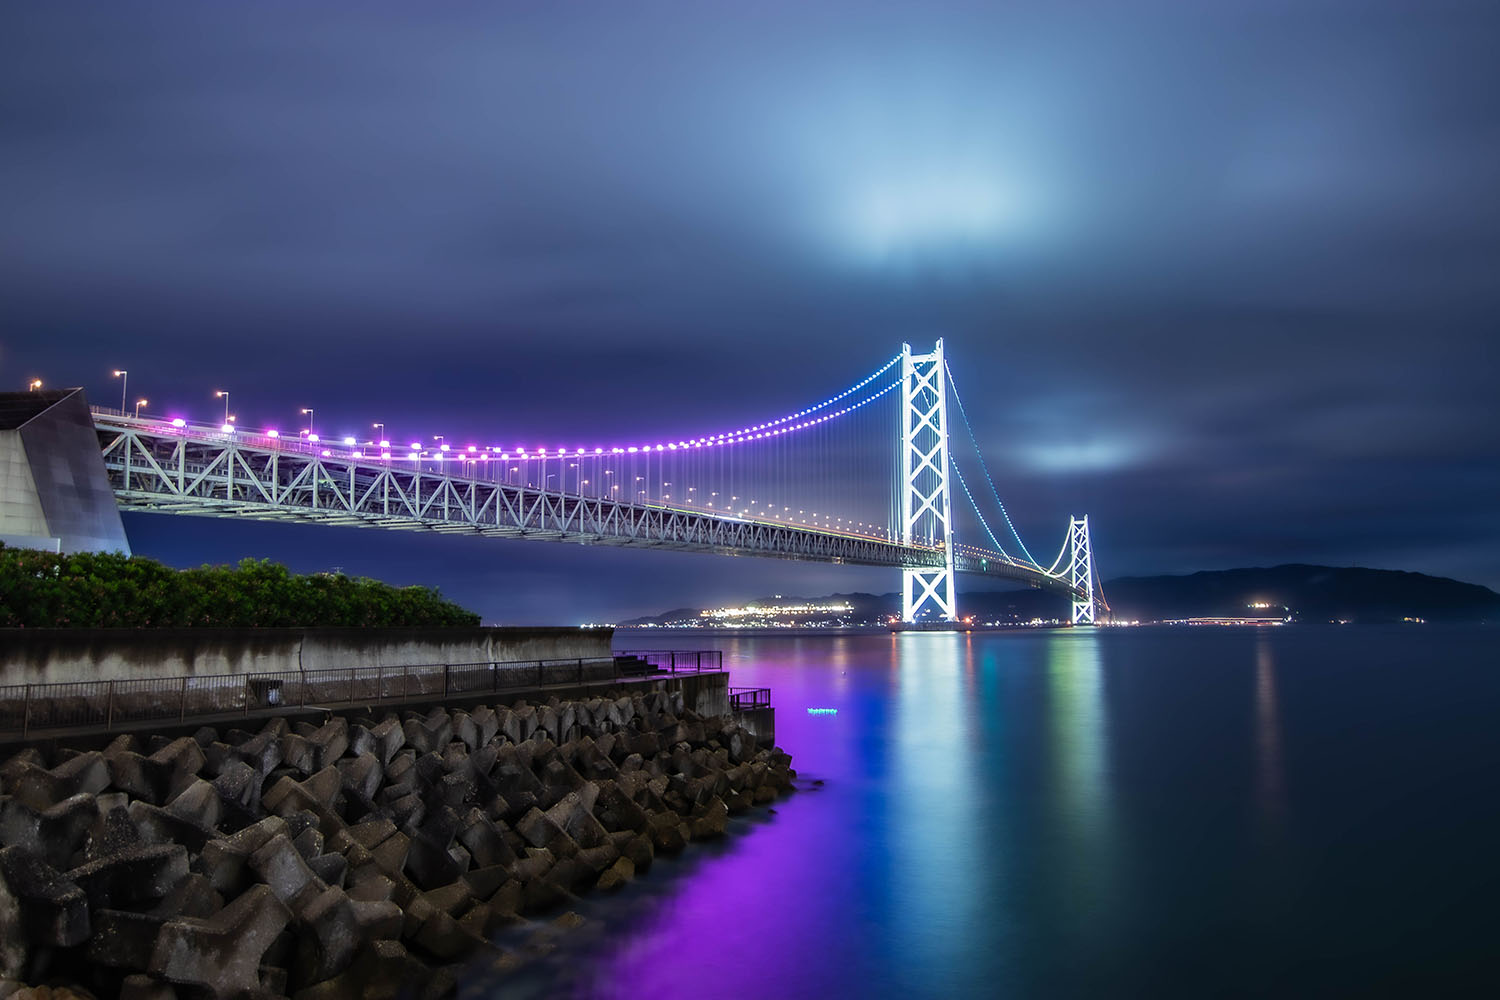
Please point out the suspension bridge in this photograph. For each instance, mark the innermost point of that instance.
(863, 477)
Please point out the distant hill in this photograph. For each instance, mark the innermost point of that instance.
(1308, 593)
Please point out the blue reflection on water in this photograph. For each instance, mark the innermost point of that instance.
(1085, 813)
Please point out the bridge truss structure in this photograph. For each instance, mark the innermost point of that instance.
(176, 467)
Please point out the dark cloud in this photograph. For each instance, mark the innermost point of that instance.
(1221, 274)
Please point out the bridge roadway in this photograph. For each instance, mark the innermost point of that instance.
(201, 470)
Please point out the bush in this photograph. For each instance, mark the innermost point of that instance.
(109, 590)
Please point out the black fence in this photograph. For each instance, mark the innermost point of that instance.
(29, 709)
(745, 699)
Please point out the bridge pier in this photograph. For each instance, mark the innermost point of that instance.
(926, 512)
(54, 491)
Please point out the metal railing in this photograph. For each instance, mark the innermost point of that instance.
(32, 709)
(679, 661)
(745, 699)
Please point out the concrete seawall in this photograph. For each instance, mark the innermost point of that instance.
(354, 854)
(53, 656)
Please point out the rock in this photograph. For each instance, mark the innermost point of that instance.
(640, 852)
(542, 895)
(599, 858)
(430, 733)
(372, 833)
(668, 832)
(139, 776)
(486, 723)
(53, 910)
(133, 876)
(289, 796)
(87, 773)
(485, 841)
(333, 939)
(221, 954)
(368, 884)
(238, 786)
(445, 939)
(123, 940)
(615, 810)
(224, 859)
(622, 871)
(538, 862)
(330, 868)
(539, 830)
(713, 822)
(363, 774)
(388, 738)
(197, 802)
(309, 843)
(142, 987)
(483, 883)
(285, 873)
(390, 855)
(184, 759)
(379, 918)
(55, 833)
(330, 741)
(262, 752)
(452, 899)
(194, 896)
(465, 730)
(383, 970)
(298, 753)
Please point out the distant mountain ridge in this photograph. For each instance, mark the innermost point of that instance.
(1308, 593)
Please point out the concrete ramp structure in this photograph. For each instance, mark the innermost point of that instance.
(54, 491)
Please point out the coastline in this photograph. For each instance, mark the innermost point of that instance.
(363, 853)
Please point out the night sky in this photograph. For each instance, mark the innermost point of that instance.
(1225, 276)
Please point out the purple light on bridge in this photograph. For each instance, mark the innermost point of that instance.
(178, 422)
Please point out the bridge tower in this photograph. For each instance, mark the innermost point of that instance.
(926, 514)
(1081, 570)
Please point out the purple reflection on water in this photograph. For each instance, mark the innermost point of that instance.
(1045, 814)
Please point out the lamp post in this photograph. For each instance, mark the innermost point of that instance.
(307, 411)
(33, 385)
(224, 395)
(124, 377)
(380, 431)
(138, 404)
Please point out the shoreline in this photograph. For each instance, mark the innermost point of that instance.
(366, 852)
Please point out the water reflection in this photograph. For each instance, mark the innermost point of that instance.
(935, 823)
(1049, 814)
(1080, 785)
(1270, 793)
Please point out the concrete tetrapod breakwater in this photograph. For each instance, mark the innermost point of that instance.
(363, 857)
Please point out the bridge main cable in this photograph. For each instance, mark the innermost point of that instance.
(983, 467)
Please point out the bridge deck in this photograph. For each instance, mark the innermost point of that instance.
(155, 466)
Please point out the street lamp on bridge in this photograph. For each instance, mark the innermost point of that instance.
(33, 385)
(307, 411)
(138, 404)
(124, 377)
(224, 395)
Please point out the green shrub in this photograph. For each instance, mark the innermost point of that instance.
(109, 590)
